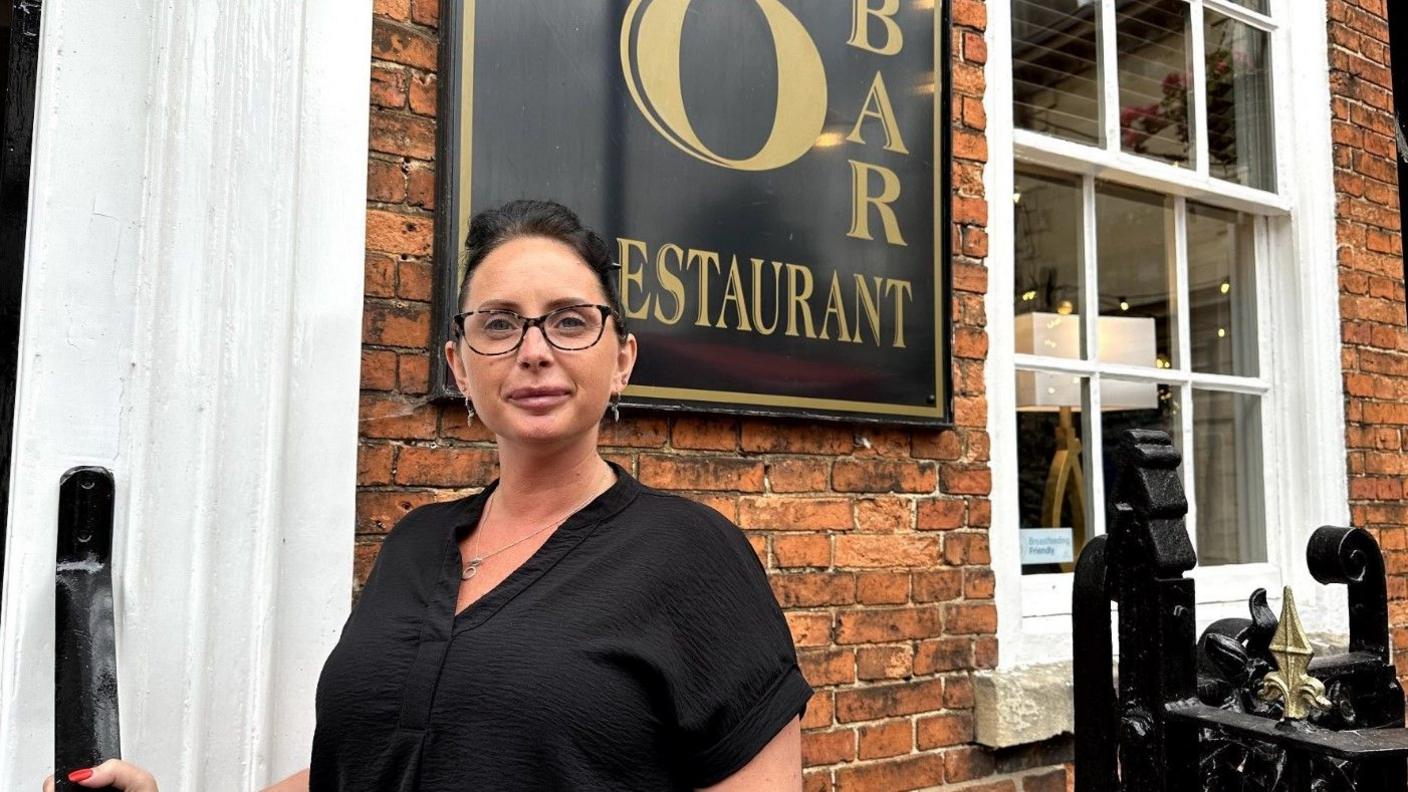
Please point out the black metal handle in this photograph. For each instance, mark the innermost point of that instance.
(85, 657)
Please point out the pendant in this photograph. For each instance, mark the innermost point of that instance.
(470, 569)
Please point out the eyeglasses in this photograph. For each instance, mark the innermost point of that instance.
(498, 331)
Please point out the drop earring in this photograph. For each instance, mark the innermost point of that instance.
(469, 411)
(615, 407)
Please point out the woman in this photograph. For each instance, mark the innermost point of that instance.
(567, 628)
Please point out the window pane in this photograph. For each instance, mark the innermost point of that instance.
(1052, 488)
(1255, 5)
(1055, 84)
(1048, 269)
(1227, 478)
(1152, 39)
(1128, 405)
(1240, 144)
(1222, 289)
(1136, 276)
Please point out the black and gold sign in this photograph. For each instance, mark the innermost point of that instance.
(773, 173)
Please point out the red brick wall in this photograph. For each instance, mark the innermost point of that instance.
(875, 538)
(1375, 341)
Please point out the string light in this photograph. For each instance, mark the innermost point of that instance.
(1029, 295)
(1221, 332)
(1124, 304)
(1065, 308)
(1226, 287)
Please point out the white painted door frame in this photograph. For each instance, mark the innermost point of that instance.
(192, 320)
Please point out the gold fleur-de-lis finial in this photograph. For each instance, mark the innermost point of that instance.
(1301, 692)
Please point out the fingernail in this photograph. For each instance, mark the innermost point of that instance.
(81, 775)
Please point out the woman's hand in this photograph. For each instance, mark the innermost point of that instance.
(112, 773)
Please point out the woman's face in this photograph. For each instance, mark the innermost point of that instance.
(540, 394)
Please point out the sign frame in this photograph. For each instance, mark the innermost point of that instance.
(454, 134)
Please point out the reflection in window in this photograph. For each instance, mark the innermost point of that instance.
(1052, 484)
(1135, 405)
(1240, 145)
(1048, 266)
(1055, 83)
(1221, 291)
(1152, 41)
(1136, 274)
(1227, 475)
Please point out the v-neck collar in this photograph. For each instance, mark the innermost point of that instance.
(559, 543)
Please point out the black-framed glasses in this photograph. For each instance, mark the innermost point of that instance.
(499, 331)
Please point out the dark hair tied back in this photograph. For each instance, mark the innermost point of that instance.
(524, 218)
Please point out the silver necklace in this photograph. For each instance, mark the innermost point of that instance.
(472, 566)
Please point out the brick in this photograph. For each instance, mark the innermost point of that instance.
(882, 475)
(1049, 781)
(883, 515)
(396, 325)
(420, 186)
(364, 555)
(634, 431)
(958, 692)
(967, 618)
(811, 550)
(426, 12)
(380, 275)
(422, 94)
(770, 437)
(956, 479)
(883, 550)
(886, 739)
(445, 466)
(385, 182)
(909, 772)
(887, 701)
(828, 747)
(941, 731)
(885, 662)
(373, 464)
(813, 589)
(402, 135)
(966, 764)
(979, 584)
(879, 625)
(966, 547)
(809, 629)
(399, 10)
(944, 654)
(393, 232)
(727, 505)
(882, 588)
(400, 44)
(821, 710)
(378, 511)
(940, 515)
(393, 417)
(795, 514)
(938, 585)
(413, 374)
(378, 370)
(823, 667)
(970, 342)
(710, 433)
(701, 472)
(798, 474)
(389, 88)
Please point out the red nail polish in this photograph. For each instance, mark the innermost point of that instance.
(81, 775)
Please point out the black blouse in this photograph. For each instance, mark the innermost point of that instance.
(639, 648)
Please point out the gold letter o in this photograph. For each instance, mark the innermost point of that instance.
(654, 52)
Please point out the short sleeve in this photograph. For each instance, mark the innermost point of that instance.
(735, 681)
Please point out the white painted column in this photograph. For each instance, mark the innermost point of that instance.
(192, 320)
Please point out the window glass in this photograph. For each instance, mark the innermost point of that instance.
(1055, 83)
(1240, 143)
(1053, 487)
(1136, 276)
(1048, 263)
(1126, 405)
(1221, 291)
(1152, 40)
(1227, 478)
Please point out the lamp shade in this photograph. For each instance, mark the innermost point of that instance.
(1127, 340)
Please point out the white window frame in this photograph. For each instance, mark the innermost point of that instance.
(1299, 380)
